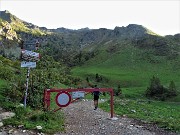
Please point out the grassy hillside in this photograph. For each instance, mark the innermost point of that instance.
(126, 56)
(12, 80)
(130, 67)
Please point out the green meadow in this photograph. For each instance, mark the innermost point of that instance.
(165, 114)
(132, 69)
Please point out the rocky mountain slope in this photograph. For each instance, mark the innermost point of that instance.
(61, 42)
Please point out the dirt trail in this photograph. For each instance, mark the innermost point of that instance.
(81, 119)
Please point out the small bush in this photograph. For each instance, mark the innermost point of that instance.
(118, 91)
(172, 89)
(158, 91)
(6, 73)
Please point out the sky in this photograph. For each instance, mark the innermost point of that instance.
(160, 16)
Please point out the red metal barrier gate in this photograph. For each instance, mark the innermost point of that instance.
(65, 93)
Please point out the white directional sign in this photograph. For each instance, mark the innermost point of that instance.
(78, 94)
(30, 56)
(28, 64)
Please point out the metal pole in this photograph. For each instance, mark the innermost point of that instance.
(26, 91)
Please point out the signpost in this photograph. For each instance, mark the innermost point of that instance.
(27, 83)
(29, 61)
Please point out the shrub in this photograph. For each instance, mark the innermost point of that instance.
(6, 73)
(10, 92)
(118, 91)
(172, 89)
(158, 91)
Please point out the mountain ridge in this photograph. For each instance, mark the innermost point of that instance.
(64, 41)
(6, 15)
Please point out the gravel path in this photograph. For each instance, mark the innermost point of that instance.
(81, 119)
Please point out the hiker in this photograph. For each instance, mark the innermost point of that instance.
(96, 94)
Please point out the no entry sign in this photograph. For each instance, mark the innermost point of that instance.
(63, 99)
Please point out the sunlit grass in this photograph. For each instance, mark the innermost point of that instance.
(165, 114)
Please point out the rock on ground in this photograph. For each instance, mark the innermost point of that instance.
(10, 130)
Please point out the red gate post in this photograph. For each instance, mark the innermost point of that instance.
(44, 99)
(48, 94)
(111, 104)
(48, 100)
